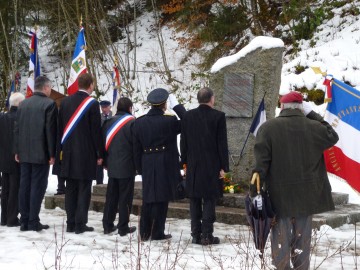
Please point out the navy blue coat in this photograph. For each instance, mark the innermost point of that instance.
(156, 154)
(119, 158)
(84, 145)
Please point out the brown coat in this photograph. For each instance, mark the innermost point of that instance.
(289, 158)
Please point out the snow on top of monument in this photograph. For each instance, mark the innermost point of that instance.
(258, 42)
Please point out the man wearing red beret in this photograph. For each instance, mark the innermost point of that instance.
(289, 161)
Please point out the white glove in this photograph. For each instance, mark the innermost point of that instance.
(173, 101)
(307, 107)
(257, 201)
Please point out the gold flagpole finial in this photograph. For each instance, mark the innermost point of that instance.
(116, 61)
(36, 27)
(317, 70)
(81, 21)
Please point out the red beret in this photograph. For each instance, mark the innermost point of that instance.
(292, 97)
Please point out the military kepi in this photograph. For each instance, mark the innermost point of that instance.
(104, 103)
(157, 96)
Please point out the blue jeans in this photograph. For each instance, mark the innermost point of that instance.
(33, 184)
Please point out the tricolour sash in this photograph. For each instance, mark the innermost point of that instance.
(76, 117)
(114, 129)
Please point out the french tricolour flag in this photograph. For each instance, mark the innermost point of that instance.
(259, 119)
(78, 64)
(116, 83)
(343, 113)
(34, 65)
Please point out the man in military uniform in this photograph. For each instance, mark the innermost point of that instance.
(157, 160)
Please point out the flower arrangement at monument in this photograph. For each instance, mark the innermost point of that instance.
(229, 185)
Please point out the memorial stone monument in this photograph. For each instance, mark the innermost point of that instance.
(240, 81)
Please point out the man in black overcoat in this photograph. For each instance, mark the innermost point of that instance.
(157, 160)
(35, 144)
(204, 150)
(119, 161)
(80, 153)
(8, 166)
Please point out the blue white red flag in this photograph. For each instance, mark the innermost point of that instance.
(34, 65)
(343, 113)
(259, 118)
(15, 87)
(78, 64)
(116, 83)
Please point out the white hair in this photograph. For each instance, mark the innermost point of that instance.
(15, 99)
(292, 105)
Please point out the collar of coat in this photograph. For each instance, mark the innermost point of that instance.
(36, 93)
(155, 111)
(205, 107)
(291, 112)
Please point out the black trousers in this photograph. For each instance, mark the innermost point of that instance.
(33, 184)
(203, 216)
(61, 185)
(119, 198)
(77, 201)
(99, 174)
(152, 220)
(10, 198)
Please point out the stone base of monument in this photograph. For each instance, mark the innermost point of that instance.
(230, 208)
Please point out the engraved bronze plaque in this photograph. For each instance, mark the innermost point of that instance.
(238, 94)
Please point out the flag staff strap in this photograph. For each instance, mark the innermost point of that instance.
(242, 150)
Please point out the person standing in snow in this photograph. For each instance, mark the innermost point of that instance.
(80, 151)
(8, 166)
(289, 160)
(204, 150)
(157, 160)
(106, 113)
(120, 165)
(35, 145)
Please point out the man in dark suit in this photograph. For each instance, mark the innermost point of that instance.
(80, 151)
(157, 160)
(35, 144)
(106, 113)
(204, 150)
(8, 166)
(119, 161)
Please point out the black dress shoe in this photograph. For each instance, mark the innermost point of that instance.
(38, 227)
(23, 227)
(83, 229)
(3, 223)
(128, 230)
(110, 230)
(164, 237)
(196, 240)
(70, 228)
(210, 241)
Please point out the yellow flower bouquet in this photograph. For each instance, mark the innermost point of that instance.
(229, 185)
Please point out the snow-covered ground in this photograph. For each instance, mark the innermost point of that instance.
(55, 249)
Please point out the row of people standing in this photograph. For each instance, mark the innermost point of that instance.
(146, 146)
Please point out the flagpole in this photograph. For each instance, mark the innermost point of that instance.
(247, 137)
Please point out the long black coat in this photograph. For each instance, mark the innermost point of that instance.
(204, 149)
(289, 158)
(119, 158)
(35, 129)
(157, 155)
(7, 157)
(83, 147)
